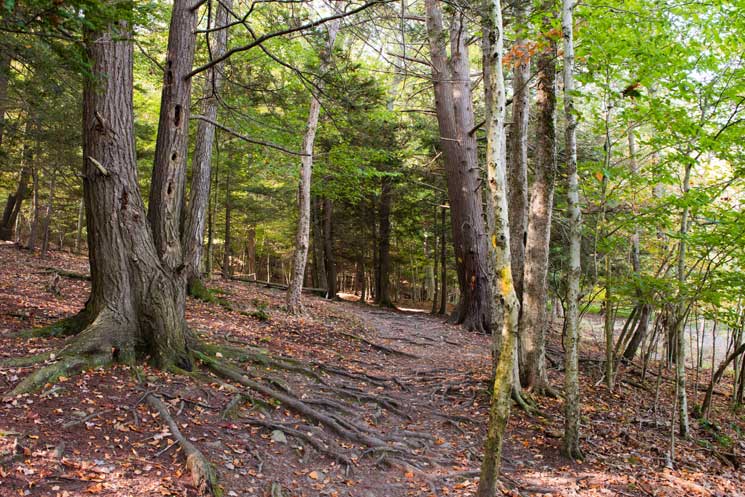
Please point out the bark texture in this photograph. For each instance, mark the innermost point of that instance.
(517, 168)
(535, 289)
(169, 169)
(135, 309)
(506, 307)
(201, 166)
(571, 446)
(302, 236)
(454, 109)
(383, 294)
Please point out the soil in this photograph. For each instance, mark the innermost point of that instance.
(421, 386)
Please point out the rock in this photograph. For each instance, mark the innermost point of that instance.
(279, 436)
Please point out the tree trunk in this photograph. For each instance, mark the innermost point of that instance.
(36, 208)
(443, 264)
(199, 193)
(328, 248)
(455, 123)
(318, 253)
(4, 78)
(79, 227)
(533, 319)
(48, 215)
(383, 297)
(571, 446)
(302, 236)
(680, 311)
(212, 215)
(506, 307)
(251, 251)
(226, 265)
(517, 172)
(136, 306)
(15, 200)
(169, 168)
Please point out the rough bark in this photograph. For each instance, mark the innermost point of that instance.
(453, 106)
(302, 236)
(196, 214)
(571, 447)
(533, 317)
(506, 307)
(4, 78)
(169, 169)
(136, 308)
(517, 168)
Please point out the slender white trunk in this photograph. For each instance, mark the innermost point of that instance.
(302, 237)
(574, 221)
(680, 359)
(505, 308)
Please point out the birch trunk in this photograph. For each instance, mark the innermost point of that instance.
(571, 446)
(35, 208)
(680, 310)
(79, 227)
(302, 237)
(328, 248)
(533, 318)
(505, 309)
(199, 194)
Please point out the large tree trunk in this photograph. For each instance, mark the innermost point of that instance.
(571, 446)
(383, 297)
(533, 320)
(199, 193)
(302, 236)
(136, 306)
(451, 81)
(517, 169)
(328, 248)
(169, 168)
(506, 308)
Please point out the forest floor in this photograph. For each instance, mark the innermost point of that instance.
(404, 378)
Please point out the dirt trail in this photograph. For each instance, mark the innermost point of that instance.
(410, 390)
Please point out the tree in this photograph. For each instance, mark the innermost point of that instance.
(506, 307)
(533, 320)
(571, 446)
(193, 233)
(302, 237)
(454, 109)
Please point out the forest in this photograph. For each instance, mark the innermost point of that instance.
(372, 248)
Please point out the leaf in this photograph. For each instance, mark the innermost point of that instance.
(96, 488)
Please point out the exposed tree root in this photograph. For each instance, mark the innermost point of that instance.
(321, 447)
(202, 472)
(63, 328)
(350, 430)
(65, 366)
(25, 361)
(378, 346)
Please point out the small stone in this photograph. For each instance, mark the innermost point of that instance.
(279, 436)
